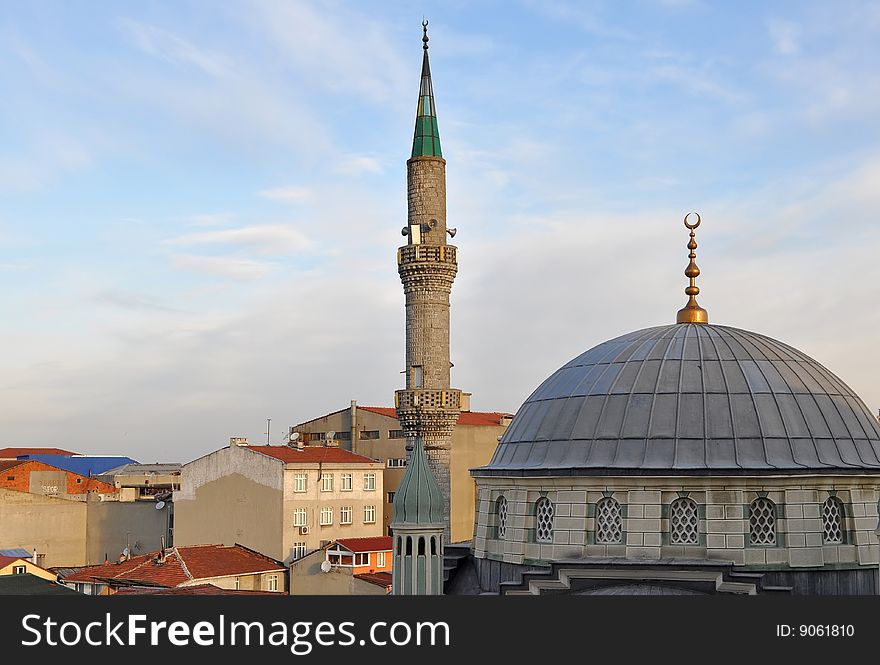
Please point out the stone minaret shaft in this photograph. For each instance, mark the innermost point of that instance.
(428, 408)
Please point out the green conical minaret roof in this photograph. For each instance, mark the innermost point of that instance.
(426, 140)
(418, 499)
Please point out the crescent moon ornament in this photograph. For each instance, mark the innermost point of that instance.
(692, 226)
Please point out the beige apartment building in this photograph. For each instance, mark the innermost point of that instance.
(282, 501)
(376, 432)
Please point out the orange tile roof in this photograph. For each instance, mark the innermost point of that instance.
(8, 464)
(373, 544)
(312, 455)
(181, 565)
(379, 579)
(15, 452)
(475, 418)
(195, 590)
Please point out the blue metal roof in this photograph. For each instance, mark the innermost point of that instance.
(84, 464)
(692, 399)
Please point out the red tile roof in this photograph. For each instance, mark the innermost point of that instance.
(8, 464)
(15, 452)
(6, 560)
(473, 418)
(374, 544)
(181, 565)
(312, 455)
(379, 579)
(195, 590)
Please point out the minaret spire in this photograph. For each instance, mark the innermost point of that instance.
(426, 139)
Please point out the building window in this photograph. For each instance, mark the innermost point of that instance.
(683, 522)
(369, 434)
(362, 559)
(10, 477)
(300, 482)
(397, 463)
(501, 516)
(762, 522)
(390, 497)
(326, 516)
(300, 517)
(344, 436)
(298, 551)
(369, 481)
(345, 515)
(19, 570)
(396, 434)
(832, 521)
(313, 436)
(544, 520)
(380, 560)
(326, 482)
(272, 583)
(609, 528)
(346, 482)
(418, 376)
(369, 514)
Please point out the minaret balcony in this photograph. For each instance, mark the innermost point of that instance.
(421, 398)
(410, 254)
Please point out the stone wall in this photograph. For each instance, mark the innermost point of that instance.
(723, 527)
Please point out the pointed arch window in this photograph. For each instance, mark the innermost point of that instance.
(683, 523)
(762, 522)
(501, 517)
(609, 528)
(544, 520)
(832, 521)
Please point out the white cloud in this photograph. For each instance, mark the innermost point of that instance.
(785, 36)
(354, 165)
(288, 194)
(267, 239)
(234, 268)
(173, 48)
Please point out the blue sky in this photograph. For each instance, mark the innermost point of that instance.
(200, 202)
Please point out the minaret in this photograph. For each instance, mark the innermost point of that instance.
(417, 567)
(428, 408)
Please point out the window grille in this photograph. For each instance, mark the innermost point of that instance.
(683, 522)
(762, 522)
(544, 520)
(832, 521)
(501, 516)
(608, 523)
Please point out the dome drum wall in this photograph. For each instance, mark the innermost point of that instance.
(690, 399)
(732, 516)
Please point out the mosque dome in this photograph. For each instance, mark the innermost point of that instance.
(690, 398)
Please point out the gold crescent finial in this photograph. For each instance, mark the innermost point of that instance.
(425, 34)
(692, 312)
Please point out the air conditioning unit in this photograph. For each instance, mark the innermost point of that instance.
(304, 530)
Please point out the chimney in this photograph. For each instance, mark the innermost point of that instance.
(466, 401)
(238, 441)
(354, 425)
(34, 558)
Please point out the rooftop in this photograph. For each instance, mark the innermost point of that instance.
(379, 579)
(374, 544)
(6, 453)
(181, 565)
(311, 455)
(194, 590)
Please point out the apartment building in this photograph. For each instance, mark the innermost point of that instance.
(281, 501)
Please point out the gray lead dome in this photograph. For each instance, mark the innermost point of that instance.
(689, 398)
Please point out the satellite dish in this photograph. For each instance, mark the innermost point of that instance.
(160, 505)
(326, 566)
(331, 435)
(126, 552)
(294, 436)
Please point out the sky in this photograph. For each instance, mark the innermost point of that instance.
(201, 202)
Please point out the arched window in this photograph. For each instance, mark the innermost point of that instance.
(762, 522)
(501, 516)
(832, 521)
(421, 546)
(683, 522)
(608, 523)
(433, 545)
(544, 520)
